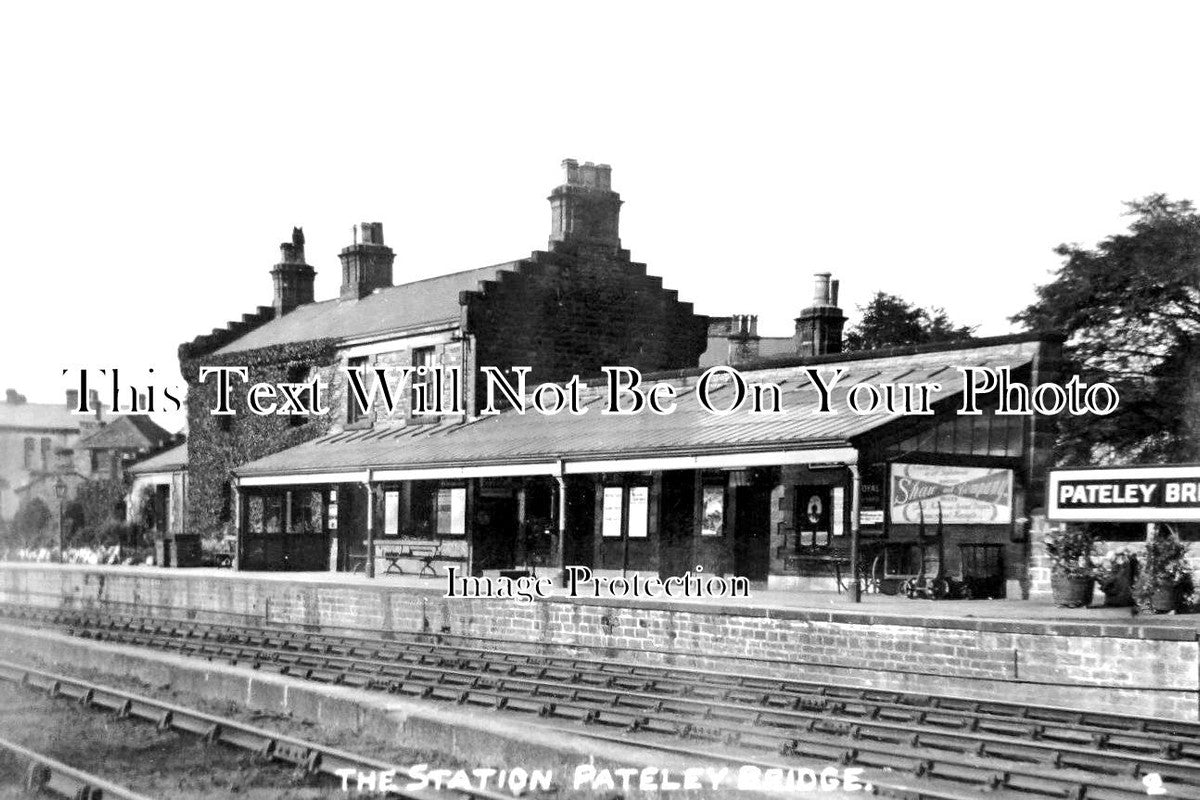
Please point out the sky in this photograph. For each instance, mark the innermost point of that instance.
(154, 155)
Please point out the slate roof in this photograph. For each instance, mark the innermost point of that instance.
(128, 432)
(172, 460)
(510, 438)
(405, 306)
(40, 416)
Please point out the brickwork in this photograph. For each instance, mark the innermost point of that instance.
(577, 309)
(1126, 669)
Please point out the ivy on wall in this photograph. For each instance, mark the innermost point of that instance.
(218, 444)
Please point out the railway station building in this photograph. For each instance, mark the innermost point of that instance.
(778, 498)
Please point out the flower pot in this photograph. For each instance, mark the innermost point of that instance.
(1165, 599)
(1118, 590)
(1071, 591)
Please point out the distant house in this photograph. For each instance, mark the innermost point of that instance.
(37, 443)
(109, 449)
(158, 499)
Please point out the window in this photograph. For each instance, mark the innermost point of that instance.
(45, 454)
(95, 459)
(353, 412)
(422, 380)
(30, 451)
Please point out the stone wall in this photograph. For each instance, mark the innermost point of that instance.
(1122, 668)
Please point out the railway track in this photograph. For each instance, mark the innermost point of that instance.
(307, 756)
(46, 776)
(915, 745)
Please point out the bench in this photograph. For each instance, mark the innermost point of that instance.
(424, 551)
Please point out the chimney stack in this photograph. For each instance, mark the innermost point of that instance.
(72, 399)
(13, 397)
(366, 265)
(743, 338)
(584, 209)
(293, 278)
(819, 327)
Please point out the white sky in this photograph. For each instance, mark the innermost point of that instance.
(152, 158)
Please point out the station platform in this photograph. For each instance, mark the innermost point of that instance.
(761, 602)
(1102, 659)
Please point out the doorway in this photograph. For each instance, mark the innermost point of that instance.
(752, 532)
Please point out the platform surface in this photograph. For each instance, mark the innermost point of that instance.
(881, 608)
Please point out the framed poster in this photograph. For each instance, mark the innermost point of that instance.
(960, 495)
(639, 511)
(391, 513)
(712, 511)
(452, 510)
(613, 499)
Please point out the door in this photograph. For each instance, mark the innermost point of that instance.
(752, 533)
(678, 523)
(579, 546)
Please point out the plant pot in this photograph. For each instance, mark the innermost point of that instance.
(1119, 591)
(1165, 599)
(1071, 591)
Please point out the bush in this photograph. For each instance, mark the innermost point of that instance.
(1165, 568)
(1072, 552)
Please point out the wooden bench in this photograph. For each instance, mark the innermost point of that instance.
(424, 551)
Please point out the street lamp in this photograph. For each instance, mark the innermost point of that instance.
(60, 491)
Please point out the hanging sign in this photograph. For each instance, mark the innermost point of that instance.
(961, 495)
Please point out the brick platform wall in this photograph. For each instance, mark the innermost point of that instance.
(1145, 670)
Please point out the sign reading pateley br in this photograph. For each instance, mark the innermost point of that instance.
(1125, 494)
(961, 495)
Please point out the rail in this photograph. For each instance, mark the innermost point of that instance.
(48, 776)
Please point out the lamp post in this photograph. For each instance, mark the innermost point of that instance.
(60, 491)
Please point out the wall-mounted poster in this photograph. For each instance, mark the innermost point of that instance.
(639, 511)
(391, 513)
(452, 511)
(713, 508)
(964, 495)
(613, 497)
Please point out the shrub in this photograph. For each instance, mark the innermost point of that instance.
(1072, 552)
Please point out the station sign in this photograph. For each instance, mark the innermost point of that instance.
(1125, 494)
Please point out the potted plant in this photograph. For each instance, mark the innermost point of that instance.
(1071, 567)
(1115, 573)
(1166, 576)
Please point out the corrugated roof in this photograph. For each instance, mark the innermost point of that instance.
(170, 460)
(128, 432)
(407, 305)
(511, 438)
(41, 416)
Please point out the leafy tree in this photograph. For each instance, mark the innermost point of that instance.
(30, 522)
(1130, 307)
(889, 321)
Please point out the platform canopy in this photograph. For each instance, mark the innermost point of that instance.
(512, 444)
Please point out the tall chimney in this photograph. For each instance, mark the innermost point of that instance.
(366, 265)
(584, 209)
(819, 327)
(72, 399)
(292, 277)
(743, 338)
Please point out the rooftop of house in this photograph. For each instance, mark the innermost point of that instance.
(16, 413)
(133, 432)
(532, 438)
(172, 459)
(406, 306)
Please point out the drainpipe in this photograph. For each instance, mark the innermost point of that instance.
(370, 527)
(562, 518)
(855, 497)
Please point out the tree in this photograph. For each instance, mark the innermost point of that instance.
(1130, 307)
(889, 321)
(30, 521)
